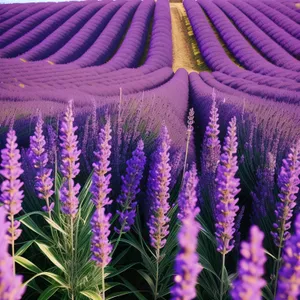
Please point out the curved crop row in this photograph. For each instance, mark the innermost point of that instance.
(281, 20)
(16, 19)
(281, 37)
(160, 48)
(239, 46)
(29, 24)
(39, 33)
(284, 10)
(110, 38)
(88, 34)
(62, 34)
(12, 11)
(270, 49)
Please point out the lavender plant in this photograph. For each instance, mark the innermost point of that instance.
(251, 268)
(227, 189)
(288, 182)
(11, 287)
(289, 273)
(39, 157)
(11, 193)
(158, 195)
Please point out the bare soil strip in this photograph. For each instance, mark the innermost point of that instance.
(185, 50)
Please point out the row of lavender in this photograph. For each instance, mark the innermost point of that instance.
(266, 69)
(88, 227)
(99, 55)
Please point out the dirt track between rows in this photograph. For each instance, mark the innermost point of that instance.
(183, 55)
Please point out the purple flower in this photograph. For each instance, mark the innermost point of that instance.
(69, 165)
(101, 176)
(158, 191)
(288, 182)
(11, 287)
(289, 274)
(251, 268)
(39, 158)
(11, 195)
(187, 199)
(130, 188)
(100, 245)
(227, 189)
(187, 266)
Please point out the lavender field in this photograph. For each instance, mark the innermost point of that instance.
(150, 150)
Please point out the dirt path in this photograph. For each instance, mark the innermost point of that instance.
(185, 50)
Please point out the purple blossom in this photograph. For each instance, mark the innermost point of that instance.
(187, 199)
(227, 189)
(251, 268)
(158, 191)
(69, 165)
(11, 195)
(289, 274)
(101, 176)
(288, 182)
(39, 159)
(130, 188)
(100, 245)
(11, 287)
(187, 266)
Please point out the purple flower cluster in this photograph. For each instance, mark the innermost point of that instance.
(288, 182)
(289, 274)
(11, 287)
(39, 158)
(158, 191)
(100, 245)
(11, 195)
(101, 177)
(227, 189)
(187, 199)
(69, 166)
(130, 188)
(251, 268)
(187, 267)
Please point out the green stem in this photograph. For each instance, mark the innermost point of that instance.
(186, 154)
(13, 242)
(118, 240)
(157, 273)
(222, 276)
(103, 283)
(72, 258)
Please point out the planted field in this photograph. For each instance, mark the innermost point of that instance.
(150, 150)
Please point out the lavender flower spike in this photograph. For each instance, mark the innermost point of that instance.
(39, 158)
(69, 166)
(187, 199)
(101, 177)
(11, 195)
(211, 145)
(100, 245)
(130, 188)
(288, 182)
(187, 266)
(158, 191)
(289, 274)
(251, 268)
(227, 189)
(11, 287)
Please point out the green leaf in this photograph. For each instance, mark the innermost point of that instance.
(28, 222)
(148, 279)
(51, 255)
(53, 276)
(27, 264)
(24, 248)
(119, 271)
(129, 286)
(271, 255)
(118, 294)
(91, 295)
(54, 225)
(49, 292)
